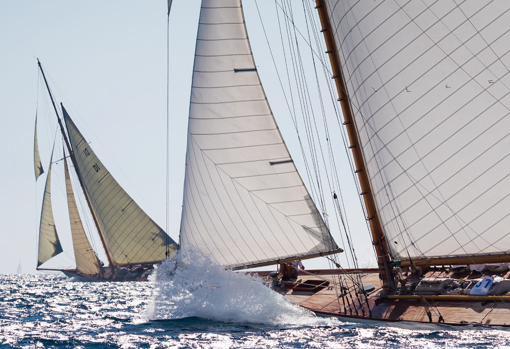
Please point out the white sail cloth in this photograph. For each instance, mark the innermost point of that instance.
(86, 259)
(429, 86)
(38, 168)
(244, 201)
(130, 235)
(49, 243)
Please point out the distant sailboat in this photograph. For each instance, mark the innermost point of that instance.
(132, 241)
(424, 90)
(19, 269)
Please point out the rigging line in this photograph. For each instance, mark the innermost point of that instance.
(325, 123)
(299, 32)
(323, 114)
(283, 90)
(167, 162)
(301, 83)
(332, 158)
(307, 110)
(333, 167)
(293, 113)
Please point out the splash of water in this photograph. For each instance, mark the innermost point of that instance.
(205, 289)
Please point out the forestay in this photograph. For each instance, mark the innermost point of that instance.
(244, 202)
(428, 83)
(86, 259)
(130, 235)
(49, 243)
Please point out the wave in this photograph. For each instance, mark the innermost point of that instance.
(207, 290)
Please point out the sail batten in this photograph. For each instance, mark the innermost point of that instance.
(49, 243)
(130, 235)
(244, 201)
(428, 84)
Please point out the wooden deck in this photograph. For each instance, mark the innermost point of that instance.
(353, 305)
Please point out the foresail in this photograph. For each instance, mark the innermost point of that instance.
(244, 201)
(49, 243)
(429, 87)
(38, 168)
(86, 259)
(130, 235)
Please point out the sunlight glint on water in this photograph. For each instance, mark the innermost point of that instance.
(51, 312)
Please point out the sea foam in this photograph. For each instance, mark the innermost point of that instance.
(205, 289)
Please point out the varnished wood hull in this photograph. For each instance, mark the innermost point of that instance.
(490, 311)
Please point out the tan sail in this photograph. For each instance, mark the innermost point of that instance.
(130, 235)
(86, 259)
(244, 201)
(49, 243)
(38, 168)
(429, 89)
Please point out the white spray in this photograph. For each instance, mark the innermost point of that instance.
(205, 289)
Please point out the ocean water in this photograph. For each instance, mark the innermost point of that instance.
(201, 306)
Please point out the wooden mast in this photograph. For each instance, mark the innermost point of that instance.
(73, 159)
(378, 239)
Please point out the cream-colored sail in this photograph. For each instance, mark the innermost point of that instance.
(429, 86)
(38, 168)
(86, 259)
(244, 201)
(49, 243)
(130, 235)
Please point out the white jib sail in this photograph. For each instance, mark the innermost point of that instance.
(429, 86)
(38, 168)
(49, 244)
(86, 259)
(130, 235)
(244, 202)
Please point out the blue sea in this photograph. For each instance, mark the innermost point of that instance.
(195, 308)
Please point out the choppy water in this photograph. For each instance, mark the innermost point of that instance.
(214, 309)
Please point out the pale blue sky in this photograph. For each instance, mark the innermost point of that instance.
(108, 59)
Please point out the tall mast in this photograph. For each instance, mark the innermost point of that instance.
(378, 239)
(71, 154)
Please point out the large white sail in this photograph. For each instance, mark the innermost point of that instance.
(38, 168)
(49, 243)
(86, 259)
(428, 83)
(130, 235)
(244, 202)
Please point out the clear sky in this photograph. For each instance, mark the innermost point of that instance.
(106, 61)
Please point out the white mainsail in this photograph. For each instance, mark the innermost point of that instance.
(38, 168)
(244, 201)
(86, 259)
(49, 243)
(130, 235)
(429, 86)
